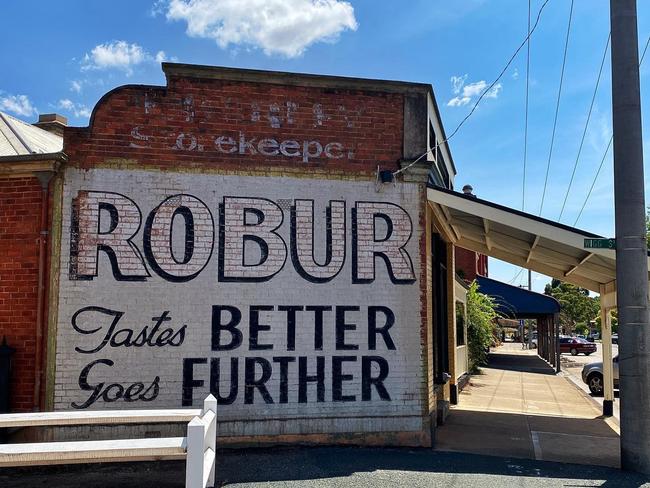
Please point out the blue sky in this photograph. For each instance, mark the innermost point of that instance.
(63, 59)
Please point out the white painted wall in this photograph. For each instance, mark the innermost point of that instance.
(190, 303)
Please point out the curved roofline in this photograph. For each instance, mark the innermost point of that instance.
(111, 92)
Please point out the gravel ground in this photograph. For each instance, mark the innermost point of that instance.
(332, 467)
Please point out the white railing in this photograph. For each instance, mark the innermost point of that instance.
(198, 448)
(202, 447)
(462, 361)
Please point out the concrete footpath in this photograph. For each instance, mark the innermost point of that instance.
(518, 407)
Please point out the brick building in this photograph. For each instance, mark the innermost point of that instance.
(29, 156)
(470, 264)
(264, 236)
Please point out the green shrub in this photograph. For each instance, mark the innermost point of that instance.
(481, 315)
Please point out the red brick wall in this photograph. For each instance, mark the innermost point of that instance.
(482, 265)
(20, 208)
(182, 124)
(469, 264)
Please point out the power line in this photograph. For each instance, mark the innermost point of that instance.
(557, 108)
(593, 183)
(523, 183)
(485, 92)
(602, 161)
(584, 132)
(516, 276)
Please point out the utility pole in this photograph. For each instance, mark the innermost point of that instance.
(631, 249)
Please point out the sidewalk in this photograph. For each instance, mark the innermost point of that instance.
(518, 407)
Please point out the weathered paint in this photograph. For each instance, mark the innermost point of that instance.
(348, 377)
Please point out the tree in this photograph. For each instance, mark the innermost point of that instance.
(577, 307)
(614, 314)
(481, 315)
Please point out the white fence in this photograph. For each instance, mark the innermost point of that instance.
(462, 361)
(202, 446)
(198, 448)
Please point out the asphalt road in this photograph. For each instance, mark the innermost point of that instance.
(572, 365)
(333, 467)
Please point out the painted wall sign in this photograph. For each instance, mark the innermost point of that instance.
(289, 299)
(274, 129)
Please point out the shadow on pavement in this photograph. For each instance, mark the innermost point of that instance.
(519, 362)
(541, 437)
(333, 466)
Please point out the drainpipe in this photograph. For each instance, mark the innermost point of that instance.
(44, 178)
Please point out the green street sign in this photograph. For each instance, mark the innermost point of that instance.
(600, 244)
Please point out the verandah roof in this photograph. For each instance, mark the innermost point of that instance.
(523, 239)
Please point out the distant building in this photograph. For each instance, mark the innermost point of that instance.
(470, 264)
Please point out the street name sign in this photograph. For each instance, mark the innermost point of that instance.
(600, 243)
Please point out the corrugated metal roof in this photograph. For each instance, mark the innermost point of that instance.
(18, 138)
(522, 239)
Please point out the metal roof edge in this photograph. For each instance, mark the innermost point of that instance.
(57, 156)
(514, 211)
(289, 78)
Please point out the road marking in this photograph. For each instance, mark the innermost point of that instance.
(538, 449)
(534, 435)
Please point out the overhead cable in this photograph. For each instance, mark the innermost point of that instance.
(557, 108)
(602, 161)
(584, 132)
(486, 91)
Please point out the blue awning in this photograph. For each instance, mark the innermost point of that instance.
(514, 302)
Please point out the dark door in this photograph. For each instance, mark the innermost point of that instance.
(440, 357)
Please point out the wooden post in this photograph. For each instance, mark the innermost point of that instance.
(210, 405)
(608, 365)
(195, 454)
(451, 323)
(608, 301)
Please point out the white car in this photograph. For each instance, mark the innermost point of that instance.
(592, 375)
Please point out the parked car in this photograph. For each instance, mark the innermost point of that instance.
(592, 375)
(575, 346)
(615, 339)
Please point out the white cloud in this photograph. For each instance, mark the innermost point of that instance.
(18, 105)
(119, 55)
(465, 93)
(458, 101)
(79, 110)
(285, 27)
(161, 57)
(457, 83)
(515, 74)
(494, 91)
(158, 8)
(75, 86)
